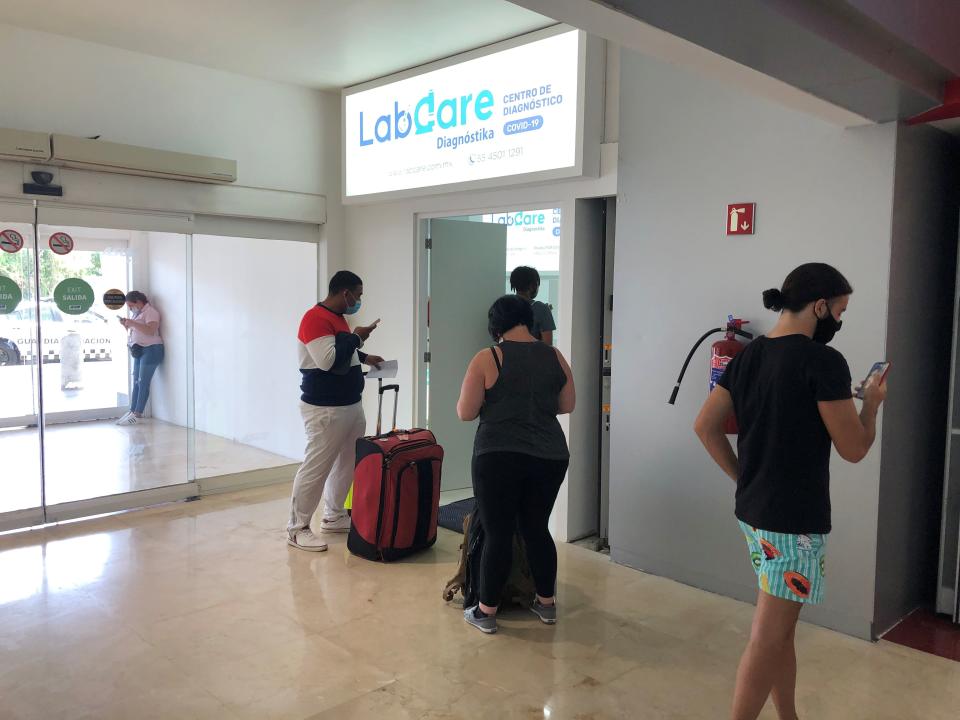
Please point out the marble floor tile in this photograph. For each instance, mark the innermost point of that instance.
(201, 610)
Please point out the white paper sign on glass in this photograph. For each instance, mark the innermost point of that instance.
(512, 112)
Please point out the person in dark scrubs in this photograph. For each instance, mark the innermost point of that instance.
(525, 282)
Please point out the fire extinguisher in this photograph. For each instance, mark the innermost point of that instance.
(721, 353)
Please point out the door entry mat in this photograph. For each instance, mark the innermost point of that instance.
(452, 515)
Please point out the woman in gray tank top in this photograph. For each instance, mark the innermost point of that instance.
(520, 458)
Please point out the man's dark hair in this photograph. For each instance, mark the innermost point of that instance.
(524, 278)
(344, 280)
(807, 284)
(507, 313)
(135, 296)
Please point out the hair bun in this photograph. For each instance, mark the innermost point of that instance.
(773, 299)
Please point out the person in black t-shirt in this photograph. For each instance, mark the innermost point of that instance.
(791, 397)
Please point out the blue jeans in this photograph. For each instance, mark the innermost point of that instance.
(143, 369)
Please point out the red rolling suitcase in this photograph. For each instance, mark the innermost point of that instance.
(396, 491)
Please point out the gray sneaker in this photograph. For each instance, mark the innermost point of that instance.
(546, 613)
(486, 624)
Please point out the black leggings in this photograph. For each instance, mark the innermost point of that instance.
(512, 489)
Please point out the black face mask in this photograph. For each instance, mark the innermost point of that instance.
(826, 328)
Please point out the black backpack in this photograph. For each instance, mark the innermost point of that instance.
(520, 587)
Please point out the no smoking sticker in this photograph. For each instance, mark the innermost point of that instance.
(61, 243)
(11, 241)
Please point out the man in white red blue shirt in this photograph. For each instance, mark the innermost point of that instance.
(332, 385)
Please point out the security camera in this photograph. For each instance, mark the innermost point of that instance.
(42, 184)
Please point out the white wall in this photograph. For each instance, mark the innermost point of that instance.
(688, 147)
(283, 137)
(275, 132)
(160, 271)
(248, 298)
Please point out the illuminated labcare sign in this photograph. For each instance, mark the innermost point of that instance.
(533, 238)
(512, 112)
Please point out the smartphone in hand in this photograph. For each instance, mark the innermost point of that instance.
(879, 371)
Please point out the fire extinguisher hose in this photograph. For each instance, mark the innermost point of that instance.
(697, 344)
(686, 363)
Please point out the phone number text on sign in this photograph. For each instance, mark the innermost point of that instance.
(495, 155)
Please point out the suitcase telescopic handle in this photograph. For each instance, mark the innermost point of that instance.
(396, 398)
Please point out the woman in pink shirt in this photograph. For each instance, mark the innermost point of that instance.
(146, 347)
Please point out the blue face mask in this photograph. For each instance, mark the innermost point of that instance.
(352, 309)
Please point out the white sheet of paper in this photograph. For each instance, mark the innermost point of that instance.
(387, 370)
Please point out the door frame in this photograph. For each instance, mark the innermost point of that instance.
(131, 499)
(60, 418)
(91, 507)
(196, 220)
(422, 287)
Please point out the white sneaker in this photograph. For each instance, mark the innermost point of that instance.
(307, 540)
(128, 419)
(337, 525)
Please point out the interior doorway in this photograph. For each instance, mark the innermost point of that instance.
(458, 282)
(467, 265)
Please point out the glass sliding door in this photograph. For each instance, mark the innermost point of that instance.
(66, 373)
(20, 470)
(89, 379)
(249, 297)
(85, 362)
(68, 380)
